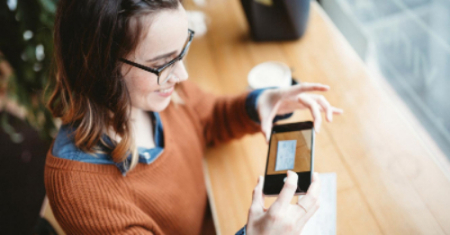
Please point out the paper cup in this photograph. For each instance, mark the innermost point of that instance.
(270, 74)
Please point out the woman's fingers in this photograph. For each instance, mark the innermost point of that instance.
(326, 107)
(314, 108)
(268, 105)
(287, 192)
(306, 86)
(301, 220)
(310, 200)
(266, 128)
(258, 198)
(317, 104)
(281, 217)
(337, 110)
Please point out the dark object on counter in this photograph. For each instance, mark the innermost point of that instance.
(276, 20)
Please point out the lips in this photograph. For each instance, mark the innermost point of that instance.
(165, 92)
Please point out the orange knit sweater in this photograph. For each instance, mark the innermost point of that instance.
(167, 196)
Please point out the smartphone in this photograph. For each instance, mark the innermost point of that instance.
(291, 147)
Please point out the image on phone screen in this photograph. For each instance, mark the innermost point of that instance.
(289, 150)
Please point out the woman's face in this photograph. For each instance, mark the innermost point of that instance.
(166, 35)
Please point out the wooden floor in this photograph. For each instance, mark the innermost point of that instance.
(392, 179)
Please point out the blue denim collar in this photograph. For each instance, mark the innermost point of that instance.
(64, 147)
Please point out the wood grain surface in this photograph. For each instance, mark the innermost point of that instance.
(391, 177)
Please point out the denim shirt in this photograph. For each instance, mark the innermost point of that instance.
(65, 148)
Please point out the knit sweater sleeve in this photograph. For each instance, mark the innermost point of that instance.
(89, 203)
(222, 118)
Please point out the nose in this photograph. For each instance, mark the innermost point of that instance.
(180, 73)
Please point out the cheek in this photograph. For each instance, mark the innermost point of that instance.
(143, 84)
(140, 86)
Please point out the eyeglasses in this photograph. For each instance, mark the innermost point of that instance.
(165, 72)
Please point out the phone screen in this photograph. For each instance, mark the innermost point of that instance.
(289, 150)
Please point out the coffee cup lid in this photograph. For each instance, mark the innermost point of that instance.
(269, 74)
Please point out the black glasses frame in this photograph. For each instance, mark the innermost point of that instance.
(158, 71)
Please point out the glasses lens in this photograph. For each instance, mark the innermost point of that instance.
(166, 74)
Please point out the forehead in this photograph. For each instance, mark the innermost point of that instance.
(164, 32)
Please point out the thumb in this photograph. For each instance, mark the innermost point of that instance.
(267, 129)
(258, 197)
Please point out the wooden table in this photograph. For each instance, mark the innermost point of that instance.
(391, 177)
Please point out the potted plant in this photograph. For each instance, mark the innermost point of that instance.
(26, 52)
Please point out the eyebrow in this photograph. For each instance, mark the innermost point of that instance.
(161, 56)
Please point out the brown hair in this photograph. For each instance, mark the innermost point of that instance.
(90, 92)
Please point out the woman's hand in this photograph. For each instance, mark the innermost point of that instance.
(283, 217)
(274, 102)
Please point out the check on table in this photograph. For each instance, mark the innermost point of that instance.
(391, 177)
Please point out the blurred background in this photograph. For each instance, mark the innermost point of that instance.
(26, 126)
(408, 43)
(405, 41)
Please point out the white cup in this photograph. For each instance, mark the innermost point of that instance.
(270, 74)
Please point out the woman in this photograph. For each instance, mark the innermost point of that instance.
(128, 157)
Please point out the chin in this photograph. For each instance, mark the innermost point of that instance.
(161, 106)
